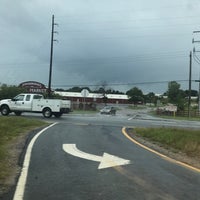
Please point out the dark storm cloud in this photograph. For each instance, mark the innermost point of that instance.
(115, 41)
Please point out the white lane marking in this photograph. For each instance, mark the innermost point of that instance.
(19, 192)
(106, 160)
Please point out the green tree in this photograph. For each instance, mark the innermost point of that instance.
(176, 95)
(150, 98)
(74, 89)
(194, 93)
(135, 95)
(173, 91)
(8, 92)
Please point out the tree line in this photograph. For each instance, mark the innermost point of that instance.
(174, 94)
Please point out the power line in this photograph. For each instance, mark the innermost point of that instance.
(108, 60)
(128, 37)
(86, 16)
(120, 84)
(126, 28)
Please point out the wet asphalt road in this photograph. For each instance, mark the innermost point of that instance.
(55, 174)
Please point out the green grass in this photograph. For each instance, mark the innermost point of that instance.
(10, 128)
(177, 117)
(137, 107)
(187, 141)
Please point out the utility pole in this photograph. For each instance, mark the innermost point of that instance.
(198, 95)
(190, 80)
(198, 61)
(51, 56)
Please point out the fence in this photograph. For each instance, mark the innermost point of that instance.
(193, 113)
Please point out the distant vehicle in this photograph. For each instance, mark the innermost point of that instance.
(35, 103)
(108, 110)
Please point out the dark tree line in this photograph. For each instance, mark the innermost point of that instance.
(100, 90)
(175, 94)
(8, 92)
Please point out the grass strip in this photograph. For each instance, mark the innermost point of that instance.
(11, 128)
(84, 112)
(184, 140)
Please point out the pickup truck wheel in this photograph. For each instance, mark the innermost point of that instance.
(57, 115)
(47, 113)
(18, 113)
(5, 110)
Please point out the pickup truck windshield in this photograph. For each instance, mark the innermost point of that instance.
(19, 97)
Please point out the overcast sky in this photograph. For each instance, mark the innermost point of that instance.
(120, 42)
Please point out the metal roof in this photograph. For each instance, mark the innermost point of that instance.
(92, 95)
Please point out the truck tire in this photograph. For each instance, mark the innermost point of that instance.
(5, 110)
(47, 113)
(18, 113)
(58, 114)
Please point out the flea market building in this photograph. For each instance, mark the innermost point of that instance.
(77, 97)
(94, 97)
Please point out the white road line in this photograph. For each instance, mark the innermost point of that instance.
(19, 192)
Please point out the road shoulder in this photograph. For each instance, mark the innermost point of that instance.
(179, 157)
(17, 150)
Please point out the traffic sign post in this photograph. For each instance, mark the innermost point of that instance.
(84, 93)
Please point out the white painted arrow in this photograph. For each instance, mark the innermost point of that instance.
(106, 160)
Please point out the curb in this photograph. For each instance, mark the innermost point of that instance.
(159, 154)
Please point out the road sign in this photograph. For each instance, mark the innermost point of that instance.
(85, 93)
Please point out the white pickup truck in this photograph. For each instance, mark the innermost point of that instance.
(35, 103)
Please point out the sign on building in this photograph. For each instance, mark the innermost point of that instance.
(34, 87)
